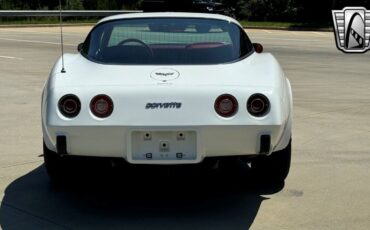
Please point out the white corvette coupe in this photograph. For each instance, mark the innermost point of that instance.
(168, 88)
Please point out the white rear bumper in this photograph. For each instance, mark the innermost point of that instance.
(211, 141)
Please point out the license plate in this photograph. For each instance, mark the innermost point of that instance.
(163, 145)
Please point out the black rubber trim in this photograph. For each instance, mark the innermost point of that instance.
(61, 145)
(265, 143)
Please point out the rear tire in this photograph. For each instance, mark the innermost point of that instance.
(273, 168)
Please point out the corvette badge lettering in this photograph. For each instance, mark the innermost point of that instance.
(169, 105)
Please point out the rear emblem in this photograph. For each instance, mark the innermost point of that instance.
(169, 105)
(164, 74)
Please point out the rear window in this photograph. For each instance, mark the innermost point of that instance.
(160, 41)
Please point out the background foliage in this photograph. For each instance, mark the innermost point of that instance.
(312, 11)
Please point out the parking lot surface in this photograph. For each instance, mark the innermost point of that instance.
(329, 182)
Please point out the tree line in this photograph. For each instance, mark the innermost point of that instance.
(69, 4)
(311, 11)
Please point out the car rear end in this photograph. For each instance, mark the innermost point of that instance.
(171, 123)
(157, 89)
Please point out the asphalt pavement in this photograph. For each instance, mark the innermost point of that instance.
(328, 186)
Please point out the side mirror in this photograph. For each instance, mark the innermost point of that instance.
(80, 46)
(258, 47)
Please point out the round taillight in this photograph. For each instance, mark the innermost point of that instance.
(226, 105)
(69, 105)
(258, 47)
(101, 106)
(258, 105)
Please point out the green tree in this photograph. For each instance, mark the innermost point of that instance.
(261, 10)
(74, 5)
(106, 5)
(6, 4)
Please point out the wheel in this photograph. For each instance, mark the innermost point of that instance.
(55, 165)
(273, 168)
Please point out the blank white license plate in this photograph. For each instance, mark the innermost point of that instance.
(164, 145)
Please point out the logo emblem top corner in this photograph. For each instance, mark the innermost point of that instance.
(352, 29)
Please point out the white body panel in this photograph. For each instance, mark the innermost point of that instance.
(197, 86)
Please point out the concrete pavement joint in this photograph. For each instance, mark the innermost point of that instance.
(9, 57)
(33, 41)
(33, 215)
(24, 163)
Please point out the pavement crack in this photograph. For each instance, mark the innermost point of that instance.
(33, 215)
(23, 163)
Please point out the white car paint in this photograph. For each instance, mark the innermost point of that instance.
(131, 87)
